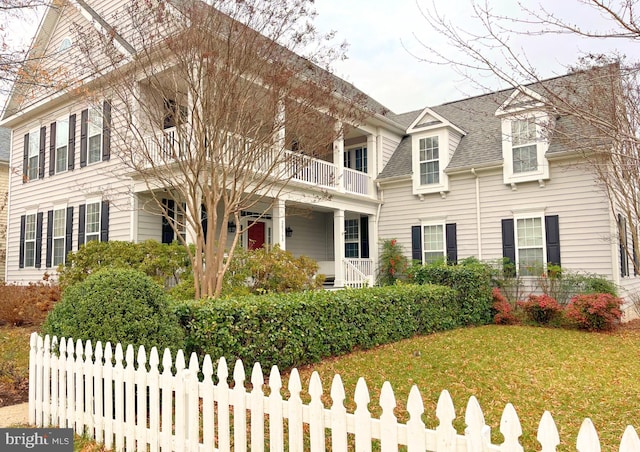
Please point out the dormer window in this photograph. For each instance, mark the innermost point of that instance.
(429, 161)
(524, 145)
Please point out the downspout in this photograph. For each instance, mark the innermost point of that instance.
(478, 230)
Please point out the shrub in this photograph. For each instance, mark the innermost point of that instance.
(502, 309)
(563, 285)
(300, 328)
(541, 309)
(266, 271)
(27, 305)
(162, 262)
(595, 312)
(116, 305)
(393, 263)
(470, 278)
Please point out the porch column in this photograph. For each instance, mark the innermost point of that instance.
(373, 246)
(190, 230)
(372, 156)
(338, 247)
(338, 157)
(278, 215)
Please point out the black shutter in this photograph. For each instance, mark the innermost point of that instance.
(624, 258)
(416, 243)
(84, 130)
(52, 149)
(68, 233)
(635, 255)
(508, 247)
(72, 142)
(364, 237)
(104, 222)
(552, 232)
(452, 243)
(43, 151)
(106, 130)
(81, 219)
(23, 219)
(167, 231)
(49, 237)
(204, 221)
(25, 159)
(39, 239)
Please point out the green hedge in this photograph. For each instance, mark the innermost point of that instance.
(471, 279)
(300, 328)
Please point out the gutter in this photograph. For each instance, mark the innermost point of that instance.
(478, 213)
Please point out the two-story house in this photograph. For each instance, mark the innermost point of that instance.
(481, 177)
(74, 186)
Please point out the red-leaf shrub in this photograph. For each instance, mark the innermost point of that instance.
(595, 312)
(503, 310)
(540, 309)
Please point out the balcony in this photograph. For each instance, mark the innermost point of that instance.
(294, 166)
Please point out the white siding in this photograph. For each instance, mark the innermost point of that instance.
(312, 235)
(585, 237)
(4, 187)
(389, 145)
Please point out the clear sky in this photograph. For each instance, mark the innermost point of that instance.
(379, 32)
(383, 34)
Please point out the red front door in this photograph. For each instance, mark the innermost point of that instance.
(256, 236)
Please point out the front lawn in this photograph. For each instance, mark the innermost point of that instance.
(572, 374)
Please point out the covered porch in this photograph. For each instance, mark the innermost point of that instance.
(340, 240)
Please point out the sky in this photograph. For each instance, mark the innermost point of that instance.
(384, 45)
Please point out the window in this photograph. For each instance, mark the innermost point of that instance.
(351, 239)
(92, 224)
(30, 240)
(429, 161)
(530, 246)
(62, 145)
(95, 135)
(59, 231)
(524, 145)
(433, 243)
(356, 158)
(34, 154)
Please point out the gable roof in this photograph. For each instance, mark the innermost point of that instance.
(481, 146)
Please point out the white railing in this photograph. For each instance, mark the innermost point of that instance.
(112, 397)
(356, 181)
(303, 168)
(163, 148)
(358, 272)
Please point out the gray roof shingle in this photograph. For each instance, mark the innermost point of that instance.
(481, 146)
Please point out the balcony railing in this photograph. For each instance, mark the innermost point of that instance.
(298, 167)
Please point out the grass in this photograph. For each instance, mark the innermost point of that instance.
(572, 374)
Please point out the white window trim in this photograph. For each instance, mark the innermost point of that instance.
(99, 112)
(33, 213)
(66, 146)
(542, 145)
(443, 160)
(86, 219)
(529, 215)
(433, 222)
(352, 240)
(35, 132)
(352, 149)
(55, 237)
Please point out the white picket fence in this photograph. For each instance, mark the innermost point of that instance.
(128, 404)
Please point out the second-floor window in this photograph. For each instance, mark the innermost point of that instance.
(524, 145)
(356, 158)
(95, 135)
(33, 163)
(62, 145)
(429, 161)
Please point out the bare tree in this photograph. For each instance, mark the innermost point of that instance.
(214, 109)
(600, 101)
